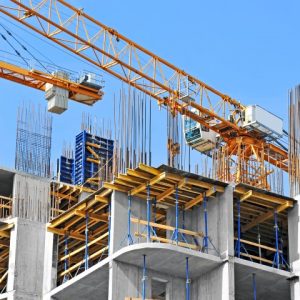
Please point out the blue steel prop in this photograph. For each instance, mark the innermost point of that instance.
(279, 259)
(176, 232)
(188, 281)
(144, 279)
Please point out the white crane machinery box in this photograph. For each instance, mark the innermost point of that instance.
(262, 121)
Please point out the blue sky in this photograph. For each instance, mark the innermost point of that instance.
(246, 49)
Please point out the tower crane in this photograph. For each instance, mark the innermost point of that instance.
(246, 141)
(58, 87)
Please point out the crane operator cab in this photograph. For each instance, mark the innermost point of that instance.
(197, 135)
(91, 80)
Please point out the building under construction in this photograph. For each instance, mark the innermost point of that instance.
(108, 224)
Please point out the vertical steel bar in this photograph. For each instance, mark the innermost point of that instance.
(86, 254)
(109, 226)
(144, 278)
(188, 281)
(66, 263)
(148, 215)
(239, 229)
(129, 237)
(276, 241)
(205, 239)
(254, 286)
(177, 216)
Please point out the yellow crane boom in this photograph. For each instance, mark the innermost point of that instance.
(180, 92)
(37, 79)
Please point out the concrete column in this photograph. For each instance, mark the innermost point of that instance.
(50, 262)
(176, 289)
(226, 223)
(126, 281)
(294, 248)
(119, 219)
(220, 222)
(26, 265)
(217, 284)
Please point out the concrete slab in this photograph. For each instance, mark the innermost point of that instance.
(4, 296)
(91, 284)
(270, 283)
(168, 259)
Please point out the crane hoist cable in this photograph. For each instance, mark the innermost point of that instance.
(14, 49)
(24, 47)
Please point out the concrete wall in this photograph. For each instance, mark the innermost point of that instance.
(294, 247)
(31, 204)
(31, 198)
(26, 265)
(126, 281)
(217, 284)
(119, 219)
(50, 262)
(220, 222)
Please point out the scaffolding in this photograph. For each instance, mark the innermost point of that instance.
(83, 233)
(261, 227)
(93, 160)
(84, 228)
(5, 229)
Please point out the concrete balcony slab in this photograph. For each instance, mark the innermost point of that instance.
(168, 259)
(91, 284)
(271, 283)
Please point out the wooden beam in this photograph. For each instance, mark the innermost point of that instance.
(63, 232)
(93, 145)
(4, 243)
(194, 201)
(73, 235)
(266, 216)
(167, 241)
(96, 161)
(7, 226)
(149, 169)
(6, 198)
(3, 277)
(97, 199)
(64, 196)
(246, 196)
(257, 245)
(204, 185)
(64, 217)
(5, 230)
(116, 187)
(200, 198)
(139, 174)
(262, 196)
(92, 216)
(95, 241)
(93, 152)
(167, 227)
(170, 190)
(151, 182)
(257, 258)
(130, 178)
(74, 267)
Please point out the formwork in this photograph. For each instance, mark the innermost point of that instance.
(212, 222)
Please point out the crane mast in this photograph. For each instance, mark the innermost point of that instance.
(243, 154)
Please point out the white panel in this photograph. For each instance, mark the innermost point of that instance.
(261, 120)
